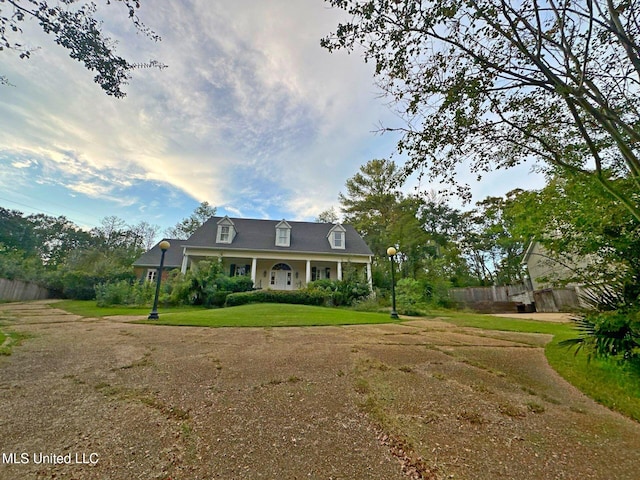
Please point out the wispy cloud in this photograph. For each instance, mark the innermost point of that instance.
(251, 113)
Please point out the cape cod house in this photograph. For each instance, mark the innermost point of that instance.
(278, 255)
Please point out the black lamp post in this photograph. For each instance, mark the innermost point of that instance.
(391, 251)
(164, 246)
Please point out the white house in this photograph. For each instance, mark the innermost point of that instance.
(278, 255)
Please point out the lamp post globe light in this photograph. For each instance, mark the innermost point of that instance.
(164, 246)
(391, 251)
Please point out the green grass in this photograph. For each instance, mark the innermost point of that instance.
(88, 308)
(15, 339)
(490, 322)
(253, 315)
(607, 381)
(269, 315)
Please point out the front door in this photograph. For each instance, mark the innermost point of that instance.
(281, 277)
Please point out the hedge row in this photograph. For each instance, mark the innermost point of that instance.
(300, 297)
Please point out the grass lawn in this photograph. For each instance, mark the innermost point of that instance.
(253, 315)
(269, 315)
(88, 308)
(490, 322)
(613, 385)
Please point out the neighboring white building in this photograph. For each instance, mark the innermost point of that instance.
(545, 270)
(278, 255)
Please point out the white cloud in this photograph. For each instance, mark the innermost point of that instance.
(251, 113)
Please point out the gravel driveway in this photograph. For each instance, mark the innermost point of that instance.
(106, 399)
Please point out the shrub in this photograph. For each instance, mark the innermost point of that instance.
(300, 297)
(204, 285)
(410, 292)
(124, 293)
(609, 334)
(341, 292)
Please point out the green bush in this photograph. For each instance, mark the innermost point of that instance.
(341, 292)
(609, 334)
(234, 284)
(124, 293)
(300, 297)
(204, 285)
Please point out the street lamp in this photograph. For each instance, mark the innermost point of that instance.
(164, 246)
(391, 251)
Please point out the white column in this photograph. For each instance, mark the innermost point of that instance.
(369, 279)
(308, 273)
(339, 270)
(185, 262)
(254, 267)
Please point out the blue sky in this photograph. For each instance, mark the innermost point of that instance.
(251, 115)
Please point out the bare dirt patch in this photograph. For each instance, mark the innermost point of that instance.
(423, 399)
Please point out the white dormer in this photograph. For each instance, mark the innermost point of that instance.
(336, 237)
(226, 230)
(283, 234)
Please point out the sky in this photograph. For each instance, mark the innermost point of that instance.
(250, 115)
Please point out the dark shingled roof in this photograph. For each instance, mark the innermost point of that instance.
(172, 259)
(254, 234)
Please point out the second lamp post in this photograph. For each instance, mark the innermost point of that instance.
(391, 251)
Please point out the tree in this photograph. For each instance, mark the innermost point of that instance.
(370, 200)
(599, 242)
(75, 27)
(185, 228)
(495, 82)
(328, 216)
(490, 242)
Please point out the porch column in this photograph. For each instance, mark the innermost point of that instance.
(254, 267)
(185, 263)
(369, 279)
(339, 270)
(308, 272)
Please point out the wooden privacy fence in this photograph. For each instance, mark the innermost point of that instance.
(556, 299)
(511, 298)
(16, 290)
(503, 293)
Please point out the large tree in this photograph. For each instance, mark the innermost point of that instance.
(370, 200)
(488, 84)
(185, 227)
(75, 26)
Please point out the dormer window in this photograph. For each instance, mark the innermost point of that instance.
(283, 234)
(226, 231)
(224, 234)
(336, 237)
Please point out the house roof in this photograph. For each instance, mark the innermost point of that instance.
(252, 234)
(172, 259)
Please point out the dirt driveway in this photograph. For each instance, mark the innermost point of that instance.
(105, 399)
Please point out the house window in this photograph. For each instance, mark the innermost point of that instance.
(224, 234)
(151, 274)
(226, 231)
(239, 270)
(336, 237)
(320, 273)
(283, 234)
(338, 240)
(283, 237)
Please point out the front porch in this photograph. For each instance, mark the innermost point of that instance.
(279, 272)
